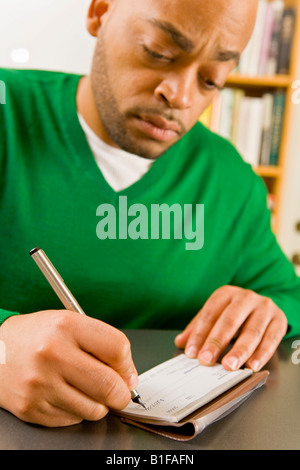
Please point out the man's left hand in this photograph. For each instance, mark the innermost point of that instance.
(229, 312)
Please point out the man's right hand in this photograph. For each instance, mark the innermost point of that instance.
(62, 367)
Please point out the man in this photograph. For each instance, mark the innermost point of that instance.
(157, 66)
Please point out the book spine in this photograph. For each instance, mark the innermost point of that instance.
(271, 67)
(254, 131)
(278, 113)
(286, 39)
(266, 40)
(226, 113)
(238, 97)
(205, 117)
(242, 131)
(265, 151)
(257, 38)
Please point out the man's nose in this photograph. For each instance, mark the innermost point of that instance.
(177, 90)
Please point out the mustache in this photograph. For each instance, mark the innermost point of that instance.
(167, 115)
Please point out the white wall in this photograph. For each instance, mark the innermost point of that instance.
(289, 238)
(52, 31)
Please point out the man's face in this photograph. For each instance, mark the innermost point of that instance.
(159, 63)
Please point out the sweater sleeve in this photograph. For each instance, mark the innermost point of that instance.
(263, 267)
(4, 314)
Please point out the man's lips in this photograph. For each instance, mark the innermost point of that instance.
(161, 122)
(158, 128)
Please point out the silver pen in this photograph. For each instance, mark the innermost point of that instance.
(63, 293)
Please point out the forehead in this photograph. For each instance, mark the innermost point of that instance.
(232, 20)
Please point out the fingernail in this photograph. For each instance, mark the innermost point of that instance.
(206, 357)
(255, 366)
(191, 352)
(232, 362)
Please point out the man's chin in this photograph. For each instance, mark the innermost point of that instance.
(148, 150)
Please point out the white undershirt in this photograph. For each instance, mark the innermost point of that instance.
(120, 169)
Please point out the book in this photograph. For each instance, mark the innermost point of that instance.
(249, 129)
(266, 39)
(286, 40)
(269, 49)
(272, 61)
(257, 37)
(277, 122)
(242, 126)
(254, 133)
(226, 95)
(265, 150)
(182, 397)
(205, 117)
(238, 97)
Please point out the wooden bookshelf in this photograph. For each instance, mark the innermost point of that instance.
(277, 81)
(257, 85)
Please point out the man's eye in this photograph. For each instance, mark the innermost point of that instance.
(210, 84)
(156, 55)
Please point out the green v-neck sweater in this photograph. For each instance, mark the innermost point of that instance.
(53, 195)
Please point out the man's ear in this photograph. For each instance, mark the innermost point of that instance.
(97, 9)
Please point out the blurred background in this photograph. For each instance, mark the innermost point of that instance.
(45, 34)
(52, 35)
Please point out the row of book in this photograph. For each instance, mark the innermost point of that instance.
(252, 124)
(269, 49)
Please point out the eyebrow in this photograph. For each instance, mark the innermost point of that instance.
(187, 45)
(177, 37)
(225, 56)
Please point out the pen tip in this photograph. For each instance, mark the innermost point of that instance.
(138, 400)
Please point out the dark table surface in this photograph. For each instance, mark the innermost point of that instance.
(268, 420)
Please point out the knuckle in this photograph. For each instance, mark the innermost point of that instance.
(116, 395)
(227, 290)
(215, 342)
(268, 303)
(123, 349)
(96, 412)
(275, 337)
(230, 323)
(23, 409)
(206, 316)
(25, 406)
(196, 337)
(62, 321)
(49, 342)
(283, 321)
(223, 289)
(45, 350)
(31, 382)
(254, 331)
